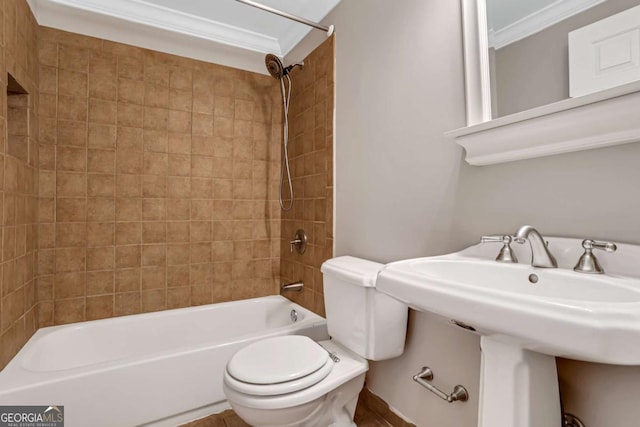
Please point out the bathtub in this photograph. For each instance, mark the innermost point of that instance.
(157, 369)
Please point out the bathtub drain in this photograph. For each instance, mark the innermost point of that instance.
(294, 316)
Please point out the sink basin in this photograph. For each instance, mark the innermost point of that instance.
(556, 311)
(513, 281)
(526, 316)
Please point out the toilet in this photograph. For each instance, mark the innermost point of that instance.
(295, 381)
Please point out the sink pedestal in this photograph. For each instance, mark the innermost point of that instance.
(518, 387)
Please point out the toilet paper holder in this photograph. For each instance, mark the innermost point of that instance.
(459, 393)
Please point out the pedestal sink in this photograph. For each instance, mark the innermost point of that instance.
(526, 316)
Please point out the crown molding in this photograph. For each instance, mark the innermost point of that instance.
(150, 26)
(538, 21)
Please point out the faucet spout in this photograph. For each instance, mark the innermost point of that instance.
(540, 255)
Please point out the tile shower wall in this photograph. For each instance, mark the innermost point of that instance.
(158, 181)
(18, 176)
(311, 157)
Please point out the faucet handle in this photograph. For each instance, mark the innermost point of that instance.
(588, 263)
(496, 239)
(506, 253)
(605, 246)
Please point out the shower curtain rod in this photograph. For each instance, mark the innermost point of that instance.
(329, 29)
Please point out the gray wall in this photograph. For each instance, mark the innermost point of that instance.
(535, 71)
(403, 190)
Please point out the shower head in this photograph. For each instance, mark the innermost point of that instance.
(275, 67)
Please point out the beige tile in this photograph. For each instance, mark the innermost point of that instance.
(72, 83)
(154, 186)
(128, 233)
(103, 112)
(69, 285)
(178, 210)
(154, 300)
(153, 209)
(154, 232)
(99, 307)
(131, 91)
(178, 276)
(180, 99)
(128, 185)
(100, 209)
(179, 121)
(72, 108)
(178, 297)
(156, 140)
(128, 256)
(156, 118)
(129, 115)
(128, 161)
(154, 255)
(126, 303)
(101, 161)
(200, 252)
(103, 63)
(102, 86)
(100, 283)
(129, 138)
(100, 185)
(70, 259)
(68, 311)
(128, 209)
(155, 163)
(101, 136)
(179, 143)
(71, 234)
(72, 131)
(127, 280)
(71, 184)
(70, 209)
(178, 254)
(100, 258)
(72, 58)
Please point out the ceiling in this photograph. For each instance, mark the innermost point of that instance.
(221, 31)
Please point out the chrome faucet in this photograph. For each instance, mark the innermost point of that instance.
(540, 255)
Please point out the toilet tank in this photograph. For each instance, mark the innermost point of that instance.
(369, 323)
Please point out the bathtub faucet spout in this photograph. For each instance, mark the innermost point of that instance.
(292, 287)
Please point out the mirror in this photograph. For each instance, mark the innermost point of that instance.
(528, 52)
(571, 117)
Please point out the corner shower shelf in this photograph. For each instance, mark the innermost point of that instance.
(598, 120)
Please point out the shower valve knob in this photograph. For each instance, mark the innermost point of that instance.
(299, 242)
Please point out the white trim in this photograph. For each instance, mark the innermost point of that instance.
(57, 14)
(599, 120)
(538, 21)
(476, 62)
(160, 17)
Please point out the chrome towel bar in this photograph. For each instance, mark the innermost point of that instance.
(459, 393)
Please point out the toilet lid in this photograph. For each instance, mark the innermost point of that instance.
(277, 360)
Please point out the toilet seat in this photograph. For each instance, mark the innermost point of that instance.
(277, 366)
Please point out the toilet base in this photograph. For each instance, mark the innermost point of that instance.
(335, 409)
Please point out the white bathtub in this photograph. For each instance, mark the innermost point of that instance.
(159, 369)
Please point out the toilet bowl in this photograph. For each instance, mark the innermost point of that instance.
(295, 381)
(322, 397)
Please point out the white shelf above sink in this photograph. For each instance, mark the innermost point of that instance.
(593, 121)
